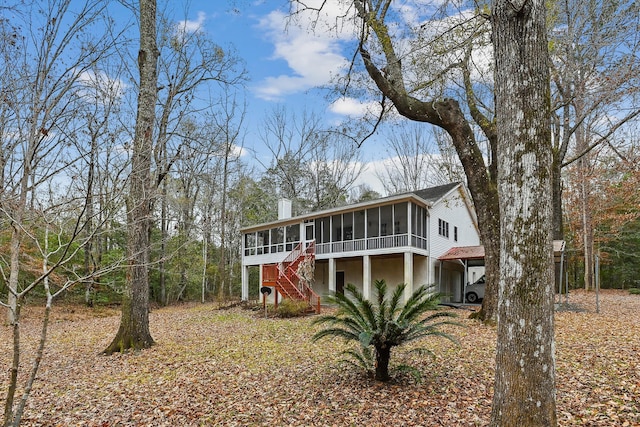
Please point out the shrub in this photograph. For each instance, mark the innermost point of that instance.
(634, 291)
(292, 308)
(378, 327)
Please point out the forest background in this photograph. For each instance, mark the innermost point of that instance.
(95, 201)
(67, 120)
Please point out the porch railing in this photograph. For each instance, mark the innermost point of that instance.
(381, 242)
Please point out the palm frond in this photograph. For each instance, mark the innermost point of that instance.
(419, 303)
(394, 306)
(381, 290)
(363, 305)
(361, 358)
(335, 332)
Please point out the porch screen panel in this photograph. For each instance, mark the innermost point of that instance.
(414, 219)
(336, 224)
(292, 236)
(373, 222)
(309, 227)
(250, 244)
(323, 230)
(419, 226)
(358, 224)
(318, 230)
(400, 218)
(386, 220)
(347, 226)
(277, 239)
(263, 242)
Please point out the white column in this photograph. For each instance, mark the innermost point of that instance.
(408, 275)
(332, 275)
(245, 282)
(366, 276)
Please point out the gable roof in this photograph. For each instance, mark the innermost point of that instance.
(429, 196)
(477, 252)
(433, 194)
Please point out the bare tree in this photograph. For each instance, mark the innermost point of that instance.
(312, 165)
(39, 100)
(228, 124)
(56, 238)
(49, 51)
(96, 136)
(595, 69)
(133, 332)
(289, 138)
(417, 160)
(189, 62)
(334, 165)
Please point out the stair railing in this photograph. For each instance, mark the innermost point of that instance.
(288, 281)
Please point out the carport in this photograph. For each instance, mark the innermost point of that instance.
(467, 256)
(474, 256)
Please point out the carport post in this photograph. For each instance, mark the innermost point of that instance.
(440, 278)
(465, 279)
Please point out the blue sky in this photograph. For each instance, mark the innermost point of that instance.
(287, 64)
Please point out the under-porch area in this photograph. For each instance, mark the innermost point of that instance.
(332, 274)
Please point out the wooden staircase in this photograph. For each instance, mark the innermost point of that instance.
(285, 279)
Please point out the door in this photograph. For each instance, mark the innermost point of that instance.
(340, 282)
(309, 231)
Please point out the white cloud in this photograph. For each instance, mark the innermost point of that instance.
(352, 107)
(370, 176)
(313, 56)
(239, 151)
(100, 86)
(188, 26)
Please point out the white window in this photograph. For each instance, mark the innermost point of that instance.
(443, 228)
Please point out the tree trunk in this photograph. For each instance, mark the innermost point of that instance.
(558, 224)
(164, 236)
(383, 356)
(524, 393)
(89, 261)
(134, 324)
(587, 229)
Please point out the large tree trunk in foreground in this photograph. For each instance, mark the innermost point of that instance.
(525, 366)
(134, 323)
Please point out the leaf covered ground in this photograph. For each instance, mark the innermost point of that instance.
(233, 367)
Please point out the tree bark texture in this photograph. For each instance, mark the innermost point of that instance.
(134, 324)
(524, 393)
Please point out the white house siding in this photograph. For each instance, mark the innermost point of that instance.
(453, 210)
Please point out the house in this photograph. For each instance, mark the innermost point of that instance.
(397, 238)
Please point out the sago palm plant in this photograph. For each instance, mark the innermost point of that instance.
(385, 324)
